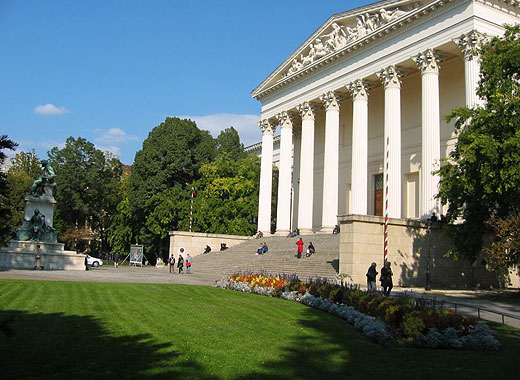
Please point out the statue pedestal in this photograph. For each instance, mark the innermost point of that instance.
(21, 255)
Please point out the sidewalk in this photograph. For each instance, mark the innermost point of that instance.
(106, 273)
(468, 304)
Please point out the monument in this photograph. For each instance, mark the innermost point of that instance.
(37, 236)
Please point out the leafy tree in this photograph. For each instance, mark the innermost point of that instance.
(227, 196)
(26, 168)
(170, 159)
(120, 233)
(88, 182)
(480, 180)
(228, 141)
(5, 219)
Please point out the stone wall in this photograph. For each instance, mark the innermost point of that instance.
(21, 255)
(195, 242)
(361, 242)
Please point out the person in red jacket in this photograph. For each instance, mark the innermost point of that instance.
(299, 243)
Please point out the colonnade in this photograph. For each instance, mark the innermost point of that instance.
(305, 112)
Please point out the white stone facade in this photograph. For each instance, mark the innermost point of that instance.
(362, 99)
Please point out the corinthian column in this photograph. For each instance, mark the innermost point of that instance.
(428, 62)
(283, 213)
(331, 162)
(268, 128)
(390, 77)
(359, 172)
(305, 204)
(470, 43)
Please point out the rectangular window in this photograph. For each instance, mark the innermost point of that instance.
(378, 194)
(412, 195)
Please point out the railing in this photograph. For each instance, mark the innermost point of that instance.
(456, 306)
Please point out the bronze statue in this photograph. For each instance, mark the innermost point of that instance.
(47, 178)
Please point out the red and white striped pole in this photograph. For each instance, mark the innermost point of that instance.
(385, 229)
(191, 207)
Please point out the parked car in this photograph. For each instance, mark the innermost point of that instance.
(94, 261)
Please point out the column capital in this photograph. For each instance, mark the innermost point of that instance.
(391, 76)
(470, 43)
(331, 100)
(359, 89)
(286, 119)
(267, 126)
(307, 110)
(428, 61)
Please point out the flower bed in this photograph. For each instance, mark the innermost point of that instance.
(381, 319)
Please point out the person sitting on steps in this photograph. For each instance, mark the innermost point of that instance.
(310, 249)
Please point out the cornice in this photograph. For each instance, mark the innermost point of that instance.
(353, 46)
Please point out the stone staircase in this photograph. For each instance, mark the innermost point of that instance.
(281, 258)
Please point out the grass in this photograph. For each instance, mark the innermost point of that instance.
(95, 330)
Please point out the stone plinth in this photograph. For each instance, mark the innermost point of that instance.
(21, 255)
(410, 252)
(195, 242)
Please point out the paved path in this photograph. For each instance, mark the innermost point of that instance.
(151, 275)
(468, 303)
(161, 276)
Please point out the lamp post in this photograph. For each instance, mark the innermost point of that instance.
(428, 255)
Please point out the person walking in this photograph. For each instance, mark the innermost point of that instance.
(386, 278)
(188, 264)
(108, 258)
(299, 243)
(37, 258)
(86, 262)
(180, 261)
(115, 259)
(371, 278)
(171, 262)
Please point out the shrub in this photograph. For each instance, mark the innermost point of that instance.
(336, 295)
(413, 325)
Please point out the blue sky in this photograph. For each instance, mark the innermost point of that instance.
(110, 71)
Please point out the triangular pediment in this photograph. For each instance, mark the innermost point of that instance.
(342, 33)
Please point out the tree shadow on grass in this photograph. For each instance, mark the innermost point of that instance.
(335, 352)
(59, 346)
(339, 352)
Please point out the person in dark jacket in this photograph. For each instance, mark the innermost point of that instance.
(180, 261)
(371, 278)
(310, 249)
(386, 278)
(171, 262)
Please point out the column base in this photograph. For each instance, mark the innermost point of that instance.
(326, 229)
(282, 232)
(306, 231)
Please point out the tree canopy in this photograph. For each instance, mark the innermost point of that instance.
(26, 167)
(5, 210)
(228, 142)
(170, 159)
(480, 180)
(88, 182)
(227, 196)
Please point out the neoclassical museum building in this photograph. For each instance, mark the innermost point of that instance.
(366, 92)
(359, 111)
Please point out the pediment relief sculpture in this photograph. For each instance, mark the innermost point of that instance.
(339, 35)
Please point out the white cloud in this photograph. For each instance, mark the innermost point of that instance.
(50, 110)
(113, 136)
(246, 125)
(112, 140)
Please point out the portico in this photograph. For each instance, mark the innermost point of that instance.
(362, 100)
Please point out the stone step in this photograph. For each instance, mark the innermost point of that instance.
(281, 258)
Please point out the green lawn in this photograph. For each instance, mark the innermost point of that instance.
(93, 330)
